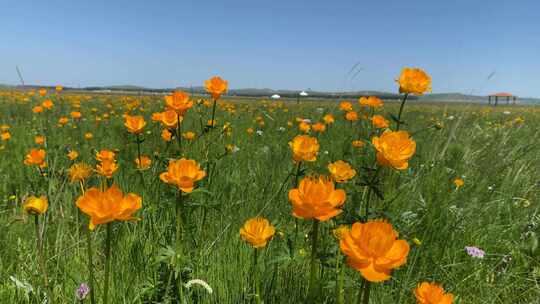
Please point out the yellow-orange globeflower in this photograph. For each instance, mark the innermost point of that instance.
(105, 155)
(143, 163)
(166, 135)
(6, 136)
(37, 109)
(42, 92)
(216, 86)
(183, 173)
(341, 171)
(328, 119)
(304, 148)
(432, 293)
(134, 124)
(63, 120)
(414, 81)
(179, 102)
(379, 121)
(257, 232)
(59, 88)
(109, 205)
(170, 119)
(36, 157)
(72, 154)
(345, 106)
(373, 249)
(318, 127)
(351, 116)
(36, 205)
(106, 168)
(39, 139)
(75, 115)
(316, 198)
(358, 143)
(394, 149)
(188, 135)
(371, 101)
(304, 127)
(47, 104)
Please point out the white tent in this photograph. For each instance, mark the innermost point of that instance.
(275, 96)
(303, 93)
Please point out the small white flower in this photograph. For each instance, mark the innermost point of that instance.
(320, 110)
(325, 152)
(199, 282)
(451, 117)
(307, 120)
(281, 129)
(506, 112)
(259, 132)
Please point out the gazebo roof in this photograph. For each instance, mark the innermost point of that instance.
(502, 94)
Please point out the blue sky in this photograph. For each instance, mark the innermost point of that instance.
(468, 46)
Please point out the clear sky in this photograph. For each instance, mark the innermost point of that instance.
(468, 46)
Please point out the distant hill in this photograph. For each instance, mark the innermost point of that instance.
(266, 92)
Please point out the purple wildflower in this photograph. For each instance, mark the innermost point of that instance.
(475, 252)
(82, 291)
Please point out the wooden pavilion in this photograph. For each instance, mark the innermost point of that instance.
(503, 95)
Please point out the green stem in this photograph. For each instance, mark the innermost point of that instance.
(90, 266)
(139, 158)
(41, 258)
(313, 270)
(256, 277)
(367, 288)
(178, 242)
(107, 263)
(339, 278)
(179, 135)
(361, 291)
(398, 123)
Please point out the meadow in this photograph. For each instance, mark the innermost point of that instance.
(464, 207)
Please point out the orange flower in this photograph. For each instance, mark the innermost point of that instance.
(42, 92)
(188, 135)
(345, 106)
(250, 131)
(341, 171)
(105, 155)
(414, 81)
(157, 116)
(358, 143)
(36, 205)
(216, 86)
(211, 123)
(107, 168)
(432, 293)
(36, 157)
(76, 115)
(134, 124)
(39, 140)
(88, 135)
(340, 231)
(316, 198)
(72, 155)
(170, 119)
(63, 120)
(459, 182)
(379, 121)
(143, 163)
(110, 205)
(304, 127)
(371, 101)
(257, 231)
(47, 104)
(373, 249)
(319, 127)
(166, 135)
(37, 109)
(183, 173)
(304, 148)
(328, 119)
(6, 135)
(351, 116)
(394, 149)
(59, 88)
(79, 172)
(179, 102)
